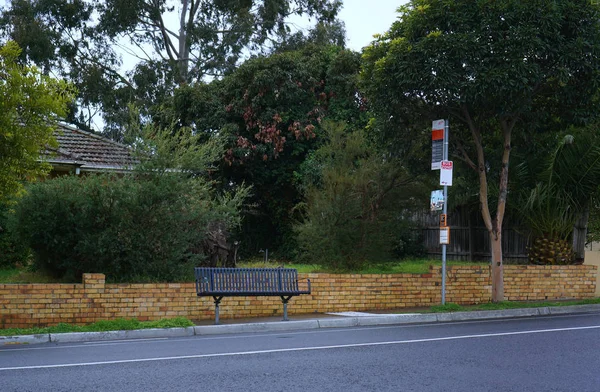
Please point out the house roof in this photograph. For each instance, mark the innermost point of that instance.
(88, 151)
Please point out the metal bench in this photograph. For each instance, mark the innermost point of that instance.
(241, 282)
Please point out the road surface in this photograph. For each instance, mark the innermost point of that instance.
(558, 353)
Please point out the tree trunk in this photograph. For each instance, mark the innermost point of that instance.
(183, 59)
(580, 233)
(494, 226)
(497, 267)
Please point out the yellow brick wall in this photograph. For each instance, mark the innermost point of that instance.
(27, 305)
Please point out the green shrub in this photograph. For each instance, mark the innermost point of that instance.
(408, 239)
(12, 250)
(353, 204)
(142, 227)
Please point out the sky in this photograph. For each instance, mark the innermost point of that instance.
(363, 18)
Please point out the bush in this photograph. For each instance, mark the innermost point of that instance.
(353, 204)
(131, 228)
(408, 239)
(12, 250)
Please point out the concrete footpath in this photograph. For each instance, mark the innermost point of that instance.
(332, 320)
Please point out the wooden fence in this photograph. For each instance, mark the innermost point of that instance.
(469, 239)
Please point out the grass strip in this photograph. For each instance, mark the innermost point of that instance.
(119, 324)
(393, 267)
(507, 305)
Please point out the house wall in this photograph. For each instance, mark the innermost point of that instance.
(27, 305)
(592, 257)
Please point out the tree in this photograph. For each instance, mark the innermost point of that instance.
(557, 207)
(151, 224)
(30, 106)
(270, 112)
(353, 202)
(494, 68)
(175, 42)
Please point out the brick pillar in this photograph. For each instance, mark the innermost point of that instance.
(94, 283)
(93, 288)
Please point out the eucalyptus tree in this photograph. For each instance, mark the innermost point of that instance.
(270, 112)
(495, 68)
(171, 42)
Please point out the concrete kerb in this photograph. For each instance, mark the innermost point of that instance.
(24, 339)
(256, 327)
(72, 337)
(382, 319)
(573, 309)
(391, 319)
(489, 314)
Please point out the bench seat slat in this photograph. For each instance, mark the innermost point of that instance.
(247, 282)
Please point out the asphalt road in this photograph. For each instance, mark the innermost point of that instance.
(558, 353)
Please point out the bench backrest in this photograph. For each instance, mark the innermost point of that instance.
(246, 280)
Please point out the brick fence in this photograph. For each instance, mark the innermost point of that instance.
(27, 305)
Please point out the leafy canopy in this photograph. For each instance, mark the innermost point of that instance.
(487, 61)
(354, 202)
(173, 42)
(492, 67)
(30, 106)
(269, 113)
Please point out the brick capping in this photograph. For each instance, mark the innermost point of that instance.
(28, 305)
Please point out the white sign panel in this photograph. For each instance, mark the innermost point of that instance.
(446, 173)
(437, 143)
(444, 235)
(438, 124)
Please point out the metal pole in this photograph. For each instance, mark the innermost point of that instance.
(216, 312)
(445, 211)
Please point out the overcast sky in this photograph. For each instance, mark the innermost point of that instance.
(363, 18)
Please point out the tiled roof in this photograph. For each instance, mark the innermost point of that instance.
(88, 151)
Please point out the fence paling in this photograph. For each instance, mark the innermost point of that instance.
(473, 243)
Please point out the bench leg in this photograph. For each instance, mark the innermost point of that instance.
(285, 302)
(217, 302)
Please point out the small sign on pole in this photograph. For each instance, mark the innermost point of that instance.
(444, 235)
(437, 143)
(437, 201)
(443, 220)
(446, 173)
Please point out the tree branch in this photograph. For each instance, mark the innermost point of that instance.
(465, 156)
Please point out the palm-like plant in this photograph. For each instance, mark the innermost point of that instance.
(561, 194)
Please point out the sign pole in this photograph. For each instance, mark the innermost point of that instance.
(445, 211)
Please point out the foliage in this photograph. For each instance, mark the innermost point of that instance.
(551, 251)
(30, 105)
(174, 43)
(593, 234)
(148, 226)
(408, 237)
(171, 149)
(492, 67)
(350, 215)
(12, 250)
(269, 113)
(564, 184)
